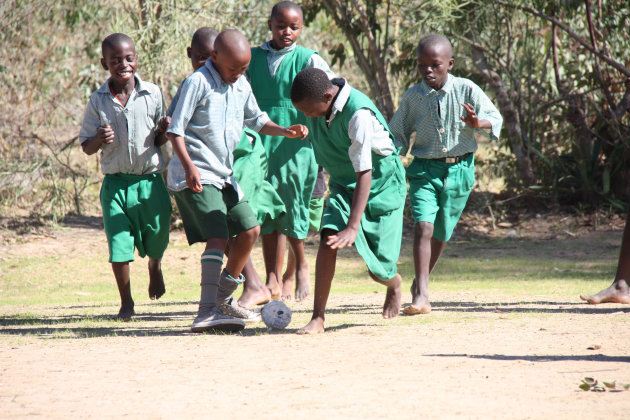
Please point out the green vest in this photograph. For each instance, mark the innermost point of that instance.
(275, 92)
(331, 146)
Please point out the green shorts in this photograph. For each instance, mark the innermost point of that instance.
(438, 192)
(316, 208)
(136, 213)
(213, 213)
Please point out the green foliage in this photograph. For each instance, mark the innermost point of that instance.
(591, 384)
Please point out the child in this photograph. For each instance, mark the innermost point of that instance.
(250, 169)
(292, 168)
(445, 112)
(124, 120)
(207, 123)
(367, 185)
(315, 211)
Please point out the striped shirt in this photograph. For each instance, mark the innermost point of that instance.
(435, 117)
(133, 150)
(210, 115)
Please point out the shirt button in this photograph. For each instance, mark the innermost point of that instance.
(442, 130)
(444, 150)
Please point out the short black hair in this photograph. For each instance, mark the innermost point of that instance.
(204, 36)
(283, 5)
(112, 40)
(434, 40)
(310, 84)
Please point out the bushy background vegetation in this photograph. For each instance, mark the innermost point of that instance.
(558, 70)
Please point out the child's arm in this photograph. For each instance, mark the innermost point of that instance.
(104, 135)
(359, 200)
(162, 126)
(472, 120)
(272, 129)
(193, 177)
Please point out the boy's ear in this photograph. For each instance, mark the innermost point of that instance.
(188, 52)
(213, 55)
(269, 24)
(450, 64)
(104, 64)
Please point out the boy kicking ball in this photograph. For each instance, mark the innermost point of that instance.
(367, 186)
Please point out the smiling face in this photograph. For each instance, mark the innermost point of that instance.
(285, 27)
(231, 64)
(121, 60)
(199, 53)
(434, 63)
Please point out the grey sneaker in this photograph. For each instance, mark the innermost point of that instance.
(232, 308)
(214, 320)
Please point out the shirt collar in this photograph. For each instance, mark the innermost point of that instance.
(448, 86)
(267, 47)
(214, 74)
(341, 100)
(140, 86)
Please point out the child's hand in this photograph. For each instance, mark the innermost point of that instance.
(471, 116)
(342, 239)
(164, 123)
(105, 134)
(297, 130)
(193, 179)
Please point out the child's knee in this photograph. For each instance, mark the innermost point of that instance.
(424, 230)
(250, 235)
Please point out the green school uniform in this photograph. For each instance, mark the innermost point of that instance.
(250, 170)
(379, 237)
(292, 168)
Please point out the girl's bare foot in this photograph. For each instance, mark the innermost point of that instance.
(391, 307)
(303, 286)
(287, 288)
(618, 292)
(316, 326)
(251, 298)
(274, 286)
(156, 280)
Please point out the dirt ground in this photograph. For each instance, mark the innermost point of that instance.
(475, 356)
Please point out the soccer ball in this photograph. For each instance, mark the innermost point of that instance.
(276, 314)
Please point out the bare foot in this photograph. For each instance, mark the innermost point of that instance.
(618, 292)
(125, 313)
(419, 305)
(156, 281)
(275, 287)
(391, 307)
(287, 288)
(303, 285)
(251, 298)
(316, 326)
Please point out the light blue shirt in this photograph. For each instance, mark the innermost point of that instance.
(440, 132)
(133, 150)
(210, 115)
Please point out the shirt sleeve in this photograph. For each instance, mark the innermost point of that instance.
(400, 126)
(190, 95)
(486, 110)
(254, 118)
(318, 63)
(360, 131)
(93, 118)
(171, 107)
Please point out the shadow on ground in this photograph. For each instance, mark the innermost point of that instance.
(544, 358)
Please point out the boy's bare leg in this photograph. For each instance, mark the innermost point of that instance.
(288, 277)
(302, 274)
(274, 245)
(239, 251)
(426, 252)
(254, 291)
(391, 307)
(619, 290)
(156, 279)
(324, 273)
(121, 273)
